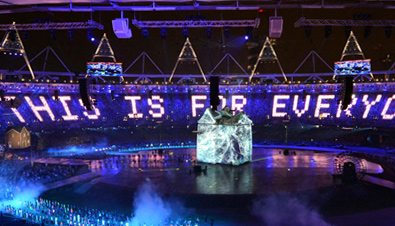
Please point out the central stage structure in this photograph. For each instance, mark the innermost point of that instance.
(224, 138)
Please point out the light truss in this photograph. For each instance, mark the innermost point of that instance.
(197, 23)
(187, 5)
(43, 73)
(291, 78)
(143, 56)
(54, 26)
(340, 23)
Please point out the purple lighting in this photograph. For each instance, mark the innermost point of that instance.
(92, 39)
(312, 107)
(246, 37)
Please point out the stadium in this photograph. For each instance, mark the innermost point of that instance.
(197, 113)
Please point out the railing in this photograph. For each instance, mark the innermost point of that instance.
(381, 76)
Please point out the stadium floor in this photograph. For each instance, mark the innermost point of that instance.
(274, 184)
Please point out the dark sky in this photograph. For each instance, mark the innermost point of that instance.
(291, 48)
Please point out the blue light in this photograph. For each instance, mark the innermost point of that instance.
(246, 37)
(92, 39)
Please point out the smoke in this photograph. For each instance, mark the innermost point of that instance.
(23, 194)
(149, 207)
(101, 145)
(14, 188)
(284, 210)
(152, 209)
(69, 151)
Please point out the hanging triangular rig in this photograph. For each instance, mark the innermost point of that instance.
(104, 49)
(352, 48)
(267, 54)
(12, 42)
(187, 54)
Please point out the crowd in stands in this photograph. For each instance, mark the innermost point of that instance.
(47, 212)
(54, 213)
(115, 113)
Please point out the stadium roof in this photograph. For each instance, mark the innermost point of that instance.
(18, 6)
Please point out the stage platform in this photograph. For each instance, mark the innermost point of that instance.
(310, 166)
(228, 193)
(269, 171)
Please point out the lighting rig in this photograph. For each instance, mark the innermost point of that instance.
(196, 23)
(347, 24)
(53, 26)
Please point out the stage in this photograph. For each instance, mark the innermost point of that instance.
(222, 191)
(270, 171)
(227, 194)
(279, 186)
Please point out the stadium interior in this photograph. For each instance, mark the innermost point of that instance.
(121, 112)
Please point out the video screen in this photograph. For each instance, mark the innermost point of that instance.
(104, 69)
(352, 67)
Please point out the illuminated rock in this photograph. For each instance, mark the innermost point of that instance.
(224, 138)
